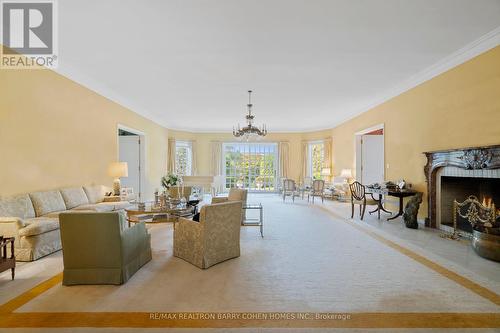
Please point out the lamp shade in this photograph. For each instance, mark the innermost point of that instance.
(326, 172)
(347, 173)
(118, 169)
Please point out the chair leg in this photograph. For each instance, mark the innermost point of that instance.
(363, 213)
(322, 199)
(352, 210)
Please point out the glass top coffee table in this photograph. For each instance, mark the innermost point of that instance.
(152, 214)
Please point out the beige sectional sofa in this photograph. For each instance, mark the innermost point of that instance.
(33, 219)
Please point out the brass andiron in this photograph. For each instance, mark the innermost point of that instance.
(477, 214)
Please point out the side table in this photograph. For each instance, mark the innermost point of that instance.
(7, 262)
(256, 222)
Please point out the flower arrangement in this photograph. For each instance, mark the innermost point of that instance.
(170, 180)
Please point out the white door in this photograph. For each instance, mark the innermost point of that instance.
(372, 159)
(130, 152)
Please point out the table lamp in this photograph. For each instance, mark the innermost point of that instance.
(117, 170)
(326, 172)
(347, 174)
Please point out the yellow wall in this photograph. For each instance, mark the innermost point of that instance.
(203, 141)
(459, 108)
(55, 132)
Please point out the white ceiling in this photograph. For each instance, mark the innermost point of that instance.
(312, 64)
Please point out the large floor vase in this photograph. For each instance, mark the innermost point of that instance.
(486, 245)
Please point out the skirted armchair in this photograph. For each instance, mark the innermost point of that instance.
(214, 239)
(98, 248)
(235, 194)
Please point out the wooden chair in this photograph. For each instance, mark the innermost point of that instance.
(289, 189)
(318, 190)
(358, 196)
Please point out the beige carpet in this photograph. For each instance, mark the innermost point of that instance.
(307, 261)
(310, 260)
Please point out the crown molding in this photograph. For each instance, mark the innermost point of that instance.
(464, 54)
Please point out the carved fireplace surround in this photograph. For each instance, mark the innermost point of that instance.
(478, 158)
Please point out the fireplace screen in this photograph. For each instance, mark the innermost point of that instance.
(460, 189)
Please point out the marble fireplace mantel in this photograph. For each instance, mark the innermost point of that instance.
(474, 158)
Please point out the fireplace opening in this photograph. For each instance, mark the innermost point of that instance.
(487, 190)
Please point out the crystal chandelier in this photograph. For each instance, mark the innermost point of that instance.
(250, 131)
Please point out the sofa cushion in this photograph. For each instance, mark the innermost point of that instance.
(55, 215)
(39, 225)
(17, 206)
(100, 207)
(95, 193)
(74, 196)
(47, 202)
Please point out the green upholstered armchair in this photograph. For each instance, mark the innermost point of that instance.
(99, 249)
(214, 239)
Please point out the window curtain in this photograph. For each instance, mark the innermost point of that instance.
(216, 162)
(305, 161)
(171, 155)
(327, 145)
(284, 159)
(194, 160)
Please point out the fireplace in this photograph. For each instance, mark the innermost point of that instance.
(459, 188)
(457, 174)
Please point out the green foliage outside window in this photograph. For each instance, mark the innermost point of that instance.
(317, 159)
(181, 163)
(254, 170)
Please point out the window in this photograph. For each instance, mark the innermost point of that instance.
(183, 158)
(316, 159)
(251, 165)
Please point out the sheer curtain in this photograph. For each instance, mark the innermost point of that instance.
(284, 159)
(194, 159)
(216, 161)
(305, 161)
(171, 155)
(327, 162)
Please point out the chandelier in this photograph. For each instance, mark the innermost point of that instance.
(250, 131)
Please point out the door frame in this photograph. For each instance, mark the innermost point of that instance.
(357, 148)
(142, 155)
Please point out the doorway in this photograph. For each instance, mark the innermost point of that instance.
(131, 145)
(370, 158)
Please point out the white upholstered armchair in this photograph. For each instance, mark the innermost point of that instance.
(214, 239)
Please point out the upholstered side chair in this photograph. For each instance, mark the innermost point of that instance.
(98, 248)
(214, 239)
(317, 190)
(289, 189)
(235, 194)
